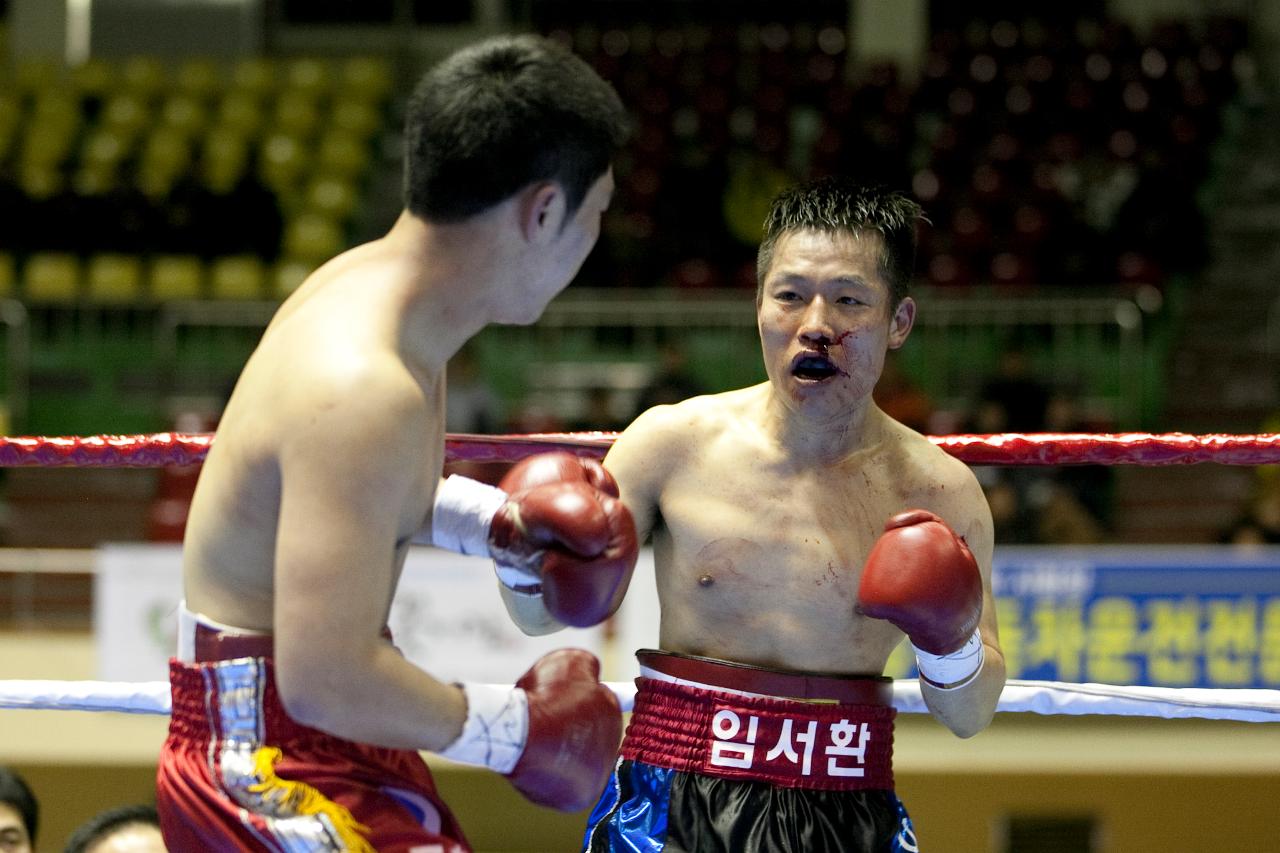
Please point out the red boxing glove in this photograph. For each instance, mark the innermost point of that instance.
(565, 533)
(554, 735)
(557, 467)
(575, 726)
(922, 577)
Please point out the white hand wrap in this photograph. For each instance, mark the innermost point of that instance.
(463, 511)
(947, 672)
(496, 728)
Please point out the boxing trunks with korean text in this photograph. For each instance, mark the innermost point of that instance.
(721, 756)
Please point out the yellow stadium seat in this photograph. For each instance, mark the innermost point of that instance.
(367, 76)
(166, 150)
(334, 197)
(114, 279)
(126, 113)
(223, 160)
(46, 146)
(39, 181)
(342, 153)
(281, 162)
(240, 112)
(8, 275)
(256, 75)
(105, 147)
(308, 75)
(184, 113)
(198, 77)
(237, 277)
(295, 114)
(287, 276)
(312, 238)
(51, 278)
(93, 78)
(37, 75)
(354, 115)
(143, 75)
(175, 277)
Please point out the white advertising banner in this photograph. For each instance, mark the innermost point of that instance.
(447, 617)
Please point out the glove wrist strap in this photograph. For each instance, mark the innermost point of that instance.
(956, 669)
(496, 728)
(462, 514)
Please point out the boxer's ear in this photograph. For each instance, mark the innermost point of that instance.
(904, 317)
(541, 210)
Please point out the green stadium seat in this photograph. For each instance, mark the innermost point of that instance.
(51, 278)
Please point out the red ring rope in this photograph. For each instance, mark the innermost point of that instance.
(1132, 448)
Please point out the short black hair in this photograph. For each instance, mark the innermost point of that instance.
(15, 792)
(501, 114)
(101, 825)
(838, 204)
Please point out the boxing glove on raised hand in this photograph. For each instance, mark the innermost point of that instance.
(554, 735)
(922, 577)
(575, 591)
(554, 528)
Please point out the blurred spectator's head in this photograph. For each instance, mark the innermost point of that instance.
(838, 205)
(19, 814)
(127, 829)
(500, 115)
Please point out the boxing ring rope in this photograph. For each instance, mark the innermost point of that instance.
(1131, 448)
(1041, 697)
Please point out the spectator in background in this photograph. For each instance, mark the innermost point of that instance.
(1013, 400)
(673, 382)
(472, 405)
(19, 813)
(901, 399)
(125, 829)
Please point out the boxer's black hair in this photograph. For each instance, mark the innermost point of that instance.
(835, 204)
(501, 114)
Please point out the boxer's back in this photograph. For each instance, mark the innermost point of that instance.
(333, 337)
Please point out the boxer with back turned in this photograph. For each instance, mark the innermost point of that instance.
(799, 534)
(296, 723)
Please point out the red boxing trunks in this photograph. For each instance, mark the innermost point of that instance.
(237, 773)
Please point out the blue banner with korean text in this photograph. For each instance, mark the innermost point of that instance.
(1139, 615)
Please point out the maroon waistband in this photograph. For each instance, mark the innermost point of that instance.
(852, 690)
(784, 742)
(212, 644)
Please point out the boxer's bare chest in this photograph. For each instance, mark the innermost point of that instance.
(761, 561)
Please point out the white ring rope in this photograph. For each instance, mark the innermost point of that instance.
(1038, 697)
